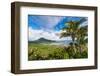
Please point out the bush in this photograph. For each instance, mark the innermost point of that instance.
(77, 55)
(48, 52)
(84, 54)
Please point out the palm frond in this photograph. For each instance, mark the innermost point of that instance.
(64, 34)
(81, 21)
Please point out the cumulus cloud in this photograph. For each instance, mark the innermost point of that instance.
(45, 22)
(49, 27)
(34, 34)
(53, 35)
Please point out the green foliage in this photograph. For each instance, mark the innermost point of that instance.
(46, 52)
(74, 52)
(84, 54)
(66, 56)
(79, 38)
(77, 55)
(51, 52)
(81, 55)
(76, 49)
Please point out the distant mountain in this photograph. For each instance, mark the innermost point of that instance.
(42, 40)
(51, 42)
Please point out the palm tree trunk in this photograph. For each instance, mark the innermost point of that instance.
(80, 48)
(73, 39)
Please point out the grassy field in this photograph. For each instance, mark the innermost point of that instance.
(50, 52)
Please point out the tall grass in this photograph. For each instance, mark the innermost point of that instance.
(50, 52)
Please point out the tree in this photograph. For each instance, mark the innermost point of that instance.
(76, 32)
(71, 29)
(82, 37)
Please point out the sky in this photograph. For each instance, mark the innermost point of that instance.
(49, 27)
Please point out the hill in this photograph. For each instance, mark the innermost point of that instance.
(42, 40)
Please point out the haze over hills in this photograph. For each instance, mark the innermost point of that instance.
(53, 42)
(42, 40)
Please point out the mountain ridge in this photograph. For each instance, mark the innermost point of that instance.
(42, 40)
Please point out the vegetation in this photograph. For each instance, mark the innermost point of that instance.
(76, 49)
(79, 38)
(43, 52)
(51, 52)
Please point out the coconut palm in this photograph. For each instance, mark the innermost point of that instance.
(71, 29)
(82, 37)
(76, 32)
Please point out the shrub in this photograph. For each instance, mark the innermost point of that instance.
(84, 54)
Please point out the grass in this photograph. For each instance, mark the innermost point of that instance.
(44, 51)
(51, 52)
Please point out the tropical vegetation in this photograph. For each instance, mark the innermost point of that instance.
(76, 49)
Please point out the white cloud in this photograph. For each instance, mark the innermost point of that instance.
(33, 34)
(50, 22)
(36, 34)
(84, 23)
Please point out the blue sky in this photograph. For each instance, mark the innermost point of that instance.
(46, 26)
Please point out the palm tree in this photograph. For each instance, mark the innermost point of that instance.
(82, 34)
(71, 29)
(82, 37)
(76, 32)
